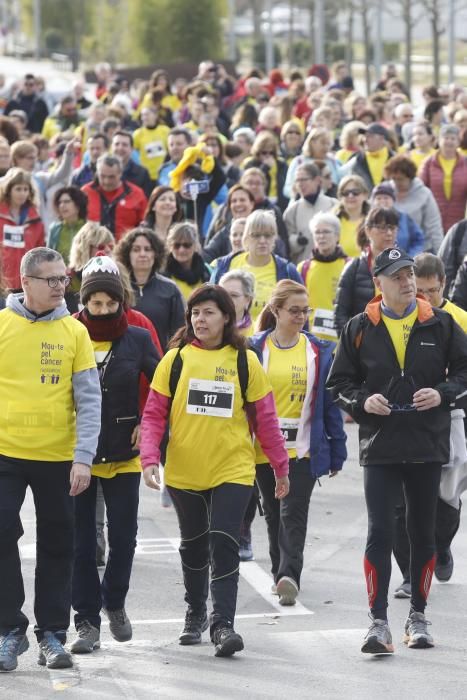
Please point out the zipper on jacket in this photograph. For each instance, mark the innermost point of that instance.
(124, 418)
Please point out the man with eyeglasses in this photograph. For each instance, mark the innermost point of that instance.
(49, 426)
(430, 279)
(28, 100)
(399, 369)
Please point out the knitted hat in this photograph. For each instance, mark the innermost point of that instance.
(384, 188)
(101, 274)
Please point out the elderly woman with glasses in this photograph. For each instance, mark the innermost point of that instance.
(259, 239)
(356, 287)
(265, 156)
(352, 194)
(297, 365)
(184, 265)
(317, 146)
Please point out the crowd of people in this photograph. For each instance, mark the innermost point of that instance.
(257, 258)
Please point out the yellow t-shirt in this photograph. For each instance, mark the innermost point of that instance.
(287, 372)
(448, 165)
(210, 442)
(348, 237)
(37, 412)
(344, 155)
(265, 281)
(376, 161)
(418, 158)
(151, 145)
(107, 470)
(399, 330)
(458, 314)
(185, 288)
(321, 283)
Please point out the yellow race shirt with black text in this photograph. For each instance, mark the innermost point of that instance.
(321, 283)
(287, 372)
(37, 361)
(399, 329)
(209, 442)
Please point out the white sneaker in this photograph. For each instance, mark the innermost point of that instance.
(287, 591)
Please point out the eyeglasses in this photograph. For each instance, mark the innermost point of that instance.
(297, 311)
(267, 153)
(53, 282)
(431, 290)
(351, 193)
(262, 235)
(383, 227)
(303, 179)
(324, 232)
(183, 245)
(405, 408)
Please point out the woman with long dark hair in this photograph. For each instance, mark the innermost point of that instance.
(208, 388)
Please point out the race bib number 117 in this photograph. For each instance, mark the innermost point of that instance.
(208, 398)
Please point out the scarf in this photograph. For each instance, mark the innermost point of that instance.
(338, 253)
(245, 322)
(106, 327)
(198, 271)
(311, 198)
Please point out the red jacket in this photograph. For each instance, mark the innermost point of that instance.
(16, 240)
(452, 210)
(121, 211)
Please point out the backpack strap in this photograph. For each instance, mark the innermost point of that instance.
(243, 372)
(304, 270)
(456, 244)
(175, 372)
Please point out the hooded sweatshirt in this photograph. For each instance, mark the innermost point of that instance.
(421, 206)
(41, 354)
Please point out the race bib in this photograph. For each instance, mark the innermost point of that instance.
(289, 429)
(13, 236)
(323, 322)
(208, 398)
(154, 149)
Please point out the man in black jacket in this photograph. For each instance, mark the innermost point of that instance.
(399, 368)
(28, 100)
(369, 164)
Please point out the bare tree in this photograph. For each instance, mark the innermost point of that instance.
(257, 8)
(410, 19)
(435, 10)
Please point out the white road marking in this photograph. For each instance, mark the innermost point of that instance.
(262, 582)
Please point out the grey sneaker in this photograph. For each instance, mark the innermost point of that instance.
(87, 640)
(52, 653)
(119, 624)
(195, 625)
(287, 590)
(404, 590)
(12, 645)
(416, 633)
(245, 550)
(378, 639)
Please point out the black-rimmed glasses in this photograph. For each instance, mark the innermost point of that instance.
(53, 282)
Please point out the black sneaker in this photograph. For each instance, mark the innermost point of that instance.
(226, 641)
(12, 645)
(444, 565)
(52, 653)
(119, 624)
(195, 625)
(87, 639)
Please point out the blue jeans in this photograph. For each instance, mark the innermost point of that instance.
(89, 595)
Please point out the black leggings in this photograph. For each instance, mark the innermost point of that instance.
(382, 491)
(210, 523)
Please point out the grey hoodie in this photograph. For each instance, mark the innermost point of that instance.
(86, 388)
(421, 206)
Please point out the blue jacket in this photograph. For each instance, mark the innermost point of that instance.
(327, 436)
(410, 236)
(284, 269)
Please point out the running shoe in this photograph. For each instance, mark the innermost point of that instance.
(416, 633)
(12, 645)
(444, 565)
(52, 653)
(119, 625)
(87, 640)
(378, 639)
(287, 590)
(404, 590)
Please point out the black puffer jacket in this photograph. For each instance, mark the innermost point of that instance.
(459, 287)
(365, 363)
(132, 354)
(354, 290)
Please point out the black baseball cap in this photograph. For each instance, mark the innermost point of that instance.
(375, 128)
(392, 260)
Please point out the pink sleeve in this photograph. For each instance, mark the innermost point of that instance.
(153, 427)
(262, 418)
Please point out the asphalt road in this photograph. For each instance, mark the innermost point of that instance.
(309, 651)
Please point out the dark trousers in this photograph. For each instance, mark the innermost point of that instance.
(286, 519)
(50, 485)
(89, 595)
(446, 526)
(420, 483)
(209, 524)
